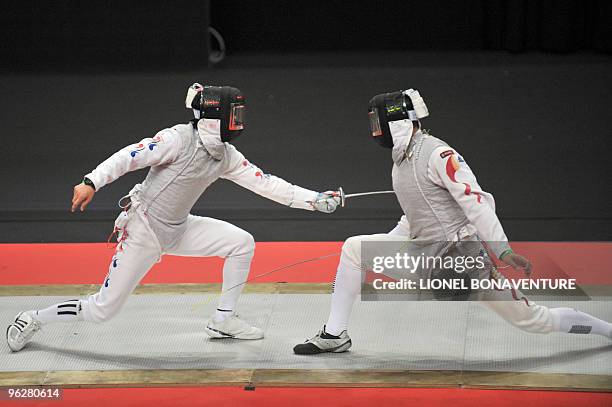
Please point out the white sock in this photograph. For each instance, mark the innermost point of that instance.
(347, 287)
(68, 311)
(572, 321)
(235, 273)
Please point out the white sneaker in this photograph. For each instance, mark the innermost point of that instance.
(20, 332)
(324, 342)
(232, 327)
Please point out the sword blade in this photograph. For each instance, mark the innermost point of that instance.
(368, 193)
(343, 196)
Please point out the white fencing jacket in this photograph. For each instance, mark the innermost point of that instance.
(438, 192)
(184, 161)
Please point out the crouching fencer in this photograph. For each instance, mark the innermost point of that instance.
(442, 202)
(184, 160)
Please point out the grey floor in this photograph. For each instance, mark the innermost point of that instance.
(165, 332)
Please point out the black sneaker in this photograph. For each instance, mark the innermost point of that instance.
(324, 342)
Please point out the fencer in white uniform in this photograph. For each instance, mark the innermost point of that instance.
(442, 202)
(184, 160)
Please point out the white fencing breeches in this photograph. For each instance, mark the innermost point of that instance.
(212, 237)
(510, 305)
(140, 251)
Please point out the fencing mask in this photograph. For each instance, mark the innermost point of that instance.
(390, 107)
(218, 102)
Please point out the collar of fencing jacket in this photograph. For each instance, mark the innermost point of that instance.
(209, 131)
(401, 131)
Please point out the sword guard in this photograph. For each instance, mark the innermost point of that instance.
(342, 199)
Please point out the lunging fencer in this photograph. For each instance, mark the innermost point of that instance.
(184, 160)
(442, 202)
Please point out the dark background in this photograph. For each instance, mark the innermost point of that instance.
(521, 88)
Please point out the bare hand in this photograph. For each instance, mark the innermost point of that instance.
(518, 262)
(83, 194)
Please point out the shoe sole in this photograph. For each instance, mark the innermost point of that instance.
(216, 334)
(344, 347)
(338, 349)
(7, 334)
(7, 339)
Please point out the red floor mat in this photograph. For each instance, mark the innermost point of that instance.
(311, 397)
(87, 263)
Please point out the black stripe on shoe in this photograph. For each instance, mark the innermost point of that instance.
(21, 323)
(67, 305)
(220, 332)
(66, 312)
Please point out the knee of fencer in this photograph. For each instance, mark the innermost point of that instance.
(244, 245)
(101, 312)
(534, 319)
(351, 250)
(104, 314)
